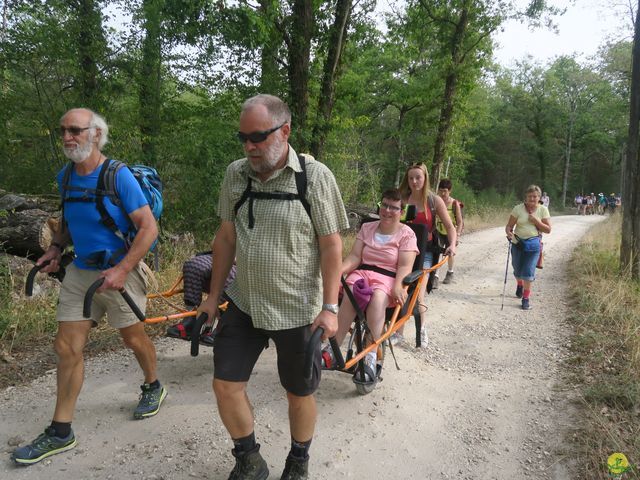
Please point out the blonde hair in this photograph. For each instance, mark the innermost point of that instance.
(405, 190)
(533, 189)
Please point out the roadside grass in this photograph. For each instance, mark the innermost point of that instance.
(605, 353)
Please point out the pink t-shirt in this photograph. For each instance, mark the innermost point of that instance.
(386, 256)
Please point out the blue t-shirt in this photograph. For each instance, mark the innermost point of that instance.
(83, 219)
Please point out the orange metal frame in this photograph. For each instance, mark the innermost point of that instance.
(395, 323)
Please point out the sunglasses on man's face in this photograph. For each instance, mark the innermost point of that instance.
(259, 136)
(74, 131)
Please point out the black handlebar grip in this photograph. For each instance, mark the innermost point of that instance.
(134, 308)
(312, 347)
(88, 297)
(28, 287)
(337, 354)
(195, 333)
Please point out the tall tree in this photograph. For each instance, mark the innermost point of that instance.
(337, 42)
(630, 245)
(150, 69)
(298, 38)
(91, 48)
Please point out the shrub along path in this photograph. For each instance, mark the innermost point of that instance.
(486, 400)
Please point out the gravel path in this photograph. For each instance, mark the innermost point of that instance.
(485, 400)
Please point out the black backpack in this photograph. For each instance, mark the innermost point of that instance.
(301, 185)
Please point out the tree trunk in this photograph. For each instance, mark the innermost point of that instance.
(630, 245)
(25, 230)
(337, 41)
(150, 79)
(446, 111)
(91, 44)
(567, 163)
(269, 71)
(301, 30)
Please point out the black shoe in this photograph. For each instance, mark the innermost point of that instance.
(525, 304)
(519, 290)
(295, 468)
(249, 466)
(207, 337)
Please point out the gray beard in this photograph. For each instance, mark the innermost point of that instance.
(270, 158)
(80, 153)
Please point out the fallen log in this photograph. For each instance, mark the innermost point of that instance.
(27, 224)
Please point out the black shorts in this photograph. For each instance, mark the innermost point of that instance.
(238, 344)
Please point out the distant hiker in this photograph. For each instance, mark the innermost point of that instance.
(454, 209)
(84, 134)
(524, 230)
(281, 218)
(545, 199)
(429, 206)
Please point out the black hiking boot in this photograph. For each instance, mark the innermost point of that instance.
(295, 468)
(249, 466)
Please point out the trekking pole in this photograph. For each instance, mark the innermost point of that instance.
(506, 272)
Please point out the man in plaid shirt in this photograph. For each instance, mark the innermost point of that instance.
(288, 253)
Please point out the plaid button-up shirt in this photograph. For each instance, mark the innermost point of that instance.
(278, 281)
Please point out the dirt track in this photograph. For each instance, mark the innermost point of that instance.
(484, 401)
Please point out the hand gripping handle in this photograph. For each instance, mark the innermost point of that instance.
(88, 299)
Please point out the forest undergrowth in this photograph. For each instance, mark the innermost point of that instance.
(605, 361)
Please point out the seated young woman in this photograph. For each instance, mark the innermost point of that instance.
(388, 245)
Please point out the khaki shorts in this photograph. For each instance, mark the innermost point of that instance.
(119, 314)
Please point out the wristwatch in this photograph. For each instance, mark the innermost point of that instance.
(330, 307)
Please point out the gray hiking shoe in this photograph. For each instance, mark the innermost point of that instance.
(150, 401)
(434, 284)
(448, 278)
(44, 446)
(249, 466)
(295, 468)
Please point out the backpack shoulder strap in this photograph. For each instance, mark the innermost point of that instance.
(301, 184)
(107, 187)
(431, 201)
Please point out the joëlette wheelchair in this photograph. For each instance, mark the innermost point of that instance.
(176, 288)
(360, 341)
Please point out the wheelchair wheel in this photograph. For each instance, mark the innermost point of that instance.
(363, 387)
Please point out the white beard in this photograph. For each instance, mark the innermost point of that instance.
(81, 152)
(270, 158)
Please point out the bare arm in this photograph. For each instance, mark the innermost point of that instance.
(224, 252)
(354, 259)
(405, 263)
(441, 211)
(330, 262)
(147, 232)
(509, 228)
(54, 253)
(543, 225)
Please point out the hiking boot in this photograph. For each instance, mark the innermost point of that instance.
(448, 278)
(434, 284)
(181, 330)
(45, 445)
(525, 304)
(150, 401)
(295, 468)
(519, 290)
(207, 337)
(249, 466)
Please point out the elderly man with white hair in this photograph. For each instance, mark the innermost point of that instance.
(100, 253)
